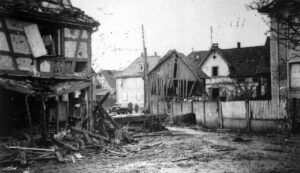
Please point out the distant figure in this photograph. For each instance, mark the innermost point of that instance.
(130, 107)
(136, 108)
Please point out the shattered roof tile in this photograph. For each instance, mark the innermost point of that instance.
(60, 9)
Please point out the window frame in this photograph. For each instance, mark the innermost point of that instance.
(290, 75)
(212, 71)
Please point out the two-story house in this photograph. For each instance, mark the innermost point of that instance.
(130, 82)
(45, 64)
(230, 68)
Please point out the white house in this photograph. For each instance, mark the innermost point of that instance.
(130, 82)
(229, 67)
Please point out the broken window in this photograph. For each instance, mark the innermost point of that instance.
(52, 40)
(80, 67)
(175, 68)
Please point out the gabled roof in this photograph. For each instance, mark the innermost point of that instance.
(198, 73)
(133, 70)
(57, 11)
(243, 62)
(278, 6)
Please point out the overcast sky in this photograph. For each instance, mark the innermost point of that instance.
(183, 25)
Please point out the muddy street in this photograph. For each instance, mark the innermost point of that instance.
(189, 150)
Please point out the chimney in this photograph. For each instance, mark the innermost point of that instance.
(215, 45)
(155, 53)
(238, 44)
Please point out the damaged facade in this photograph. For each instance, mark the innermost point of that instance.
(45, 66)
(176, 78)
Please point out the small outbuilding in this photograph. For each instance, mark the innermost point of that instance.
(176, 78)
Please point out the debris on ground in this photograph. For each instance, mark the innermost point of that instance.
(239, 139)
(142, 122)
(185, 119)
(67, 145)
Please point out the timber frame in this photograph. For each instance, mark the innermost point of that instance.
(61, 77)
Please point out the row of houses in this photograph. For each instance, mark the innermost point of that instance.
(269, 72)
(211, 74)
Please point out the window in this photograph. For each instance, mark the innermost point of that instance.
(295, 75)
(215, 71)
(52, 39)
(141, 68)
(124, 97)
(98, 86)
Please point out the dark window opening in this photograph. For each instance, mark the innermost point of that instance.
(215, 71)
(98, 86)
(175, 68)
(52, 39)
(80, 67)
(215, 93)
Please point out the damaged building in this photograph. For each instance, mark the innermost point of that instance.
(45, 66)
(175, 77)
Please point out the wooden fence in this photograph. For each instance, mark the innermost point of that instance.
(215, 114)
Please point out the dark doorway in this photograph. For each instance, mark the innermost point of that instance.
(215, 93)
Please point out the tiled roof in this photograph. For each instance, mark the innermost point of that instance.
(244, 61)
(248, 61)
(190, 64)
(134, 69)
(62, 10)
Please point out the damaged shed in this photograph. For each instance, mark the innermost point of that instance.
(175, 77)
(45, 66)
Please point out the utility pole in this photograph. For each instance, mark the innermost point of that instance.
(211, 35)
(145, 71)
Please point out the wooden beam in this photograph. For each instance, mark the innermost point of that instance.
(11, 31)
(44, 122)
(191, 91)
(9, 42)
(33, 149)
(29, 120)
(89, 133)
(16, 55)
(76, 51)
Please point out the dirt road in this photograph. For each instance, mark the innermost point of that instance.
(188, 150)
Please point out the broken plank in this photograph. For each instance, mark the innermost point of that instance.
(59, 156)
(26, 148)
(66, 145)
(74, 129)
(22, 157)
(88, 139)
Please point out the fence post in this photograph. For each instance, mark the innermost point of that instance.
(204, 118)
(220, 113)
(192, 106)
(157, 107)
(247, 115)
